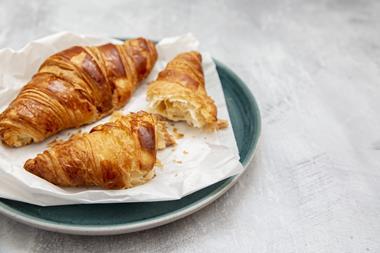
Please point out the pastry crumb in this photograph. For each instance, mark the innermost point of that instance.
(221, 124)
(54, 142)
(177, 161)
(177, 134)
(158, 164)
(71, 135)
(185, 152)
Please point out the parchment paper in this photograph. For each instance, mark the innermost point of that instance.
(198, 160)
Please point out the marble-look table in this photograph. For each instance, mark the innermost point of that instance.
(314, 67)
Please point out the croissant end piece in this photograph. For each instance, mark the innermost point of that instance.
(116, 155)
(74, 87)
(179, 93)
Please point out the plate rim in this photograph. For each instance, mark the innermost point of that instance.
(151, 222)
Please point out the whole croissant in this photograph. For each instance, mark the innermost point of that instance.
(75, 87)
(179, 93)
(118, 154)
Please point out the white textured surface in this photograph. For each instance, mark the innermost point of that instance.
(314, 185)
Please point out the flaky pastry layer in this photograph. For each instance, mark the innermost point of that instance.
(74, 87)
(116, 155)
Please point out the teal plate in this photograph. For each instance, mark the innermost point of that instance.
(103, 219)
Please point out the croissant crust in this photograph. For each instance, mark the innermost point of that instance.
(118, 154)
(74, 87)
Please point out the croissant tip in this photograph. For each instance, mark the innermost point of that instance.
(31, 166)
(40, 168)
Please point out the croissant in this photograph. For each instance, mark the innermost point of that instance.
(74, 87)
(118, 154)
(179, 93)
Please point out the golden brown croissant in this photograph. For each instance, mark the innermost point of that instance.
(179, 93)
(118, 154)
(75, 87)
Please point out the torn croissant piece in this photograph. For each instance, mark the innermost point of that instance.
(116, 155)
(74, 87)
(179, 93)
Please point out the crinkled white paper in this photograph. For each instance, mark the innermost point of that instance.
(198, 160)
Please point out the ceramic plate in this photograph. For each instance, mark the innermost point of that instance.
(104, 219)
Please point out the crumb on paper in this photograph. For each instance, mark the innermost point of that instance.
(177, 161)
(54, 142)
(185, 152)
(173, 149)
(177, 134)
(221, 124)
(158, 164)
(71, 135)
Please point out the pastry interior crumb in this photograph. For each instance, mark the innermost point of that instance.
(178, 109)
